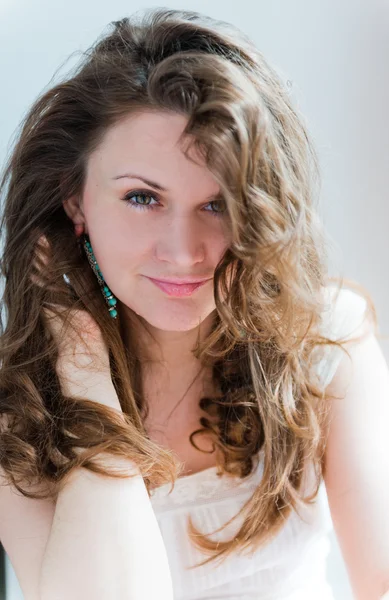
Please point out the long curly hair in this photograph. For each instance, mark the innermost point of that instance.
(268, 286)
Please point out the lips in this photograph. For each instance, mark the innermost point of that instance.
(177, 281)
(178, 290)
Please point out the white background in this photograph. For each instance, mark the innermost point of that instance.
(335, 55)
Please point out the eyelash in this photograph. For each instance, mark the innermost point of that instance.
(132, 203)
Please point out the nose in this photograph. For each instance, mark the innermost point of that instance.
(182, 241)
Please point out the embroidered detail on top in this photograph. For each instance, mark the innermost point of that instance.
(206, 484)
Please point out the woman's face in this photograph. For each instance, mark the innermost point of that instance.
(176, 227)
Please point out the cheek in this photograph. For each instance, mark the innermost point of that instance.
(114, 234)
(123, 253)
(219, 247)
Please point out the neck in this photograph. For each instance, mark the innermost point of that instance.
(166, 351)
(171, 374)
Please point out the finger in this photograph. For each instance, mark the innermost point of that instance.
(40, 263)
(40, 260)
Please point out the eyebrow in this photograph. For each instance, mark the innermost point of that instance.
(153, 184)
(158, 186)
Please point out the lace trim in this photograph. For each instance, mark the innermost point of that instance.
(192, 490)
(204, 485)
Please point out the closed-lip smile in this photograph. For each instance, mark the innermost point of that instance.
(181, 289)
(186, 281)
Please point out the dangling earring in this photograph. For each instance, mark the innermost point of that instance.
(108, 296)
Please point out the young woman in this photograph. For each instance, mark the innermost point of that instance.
(182, 383)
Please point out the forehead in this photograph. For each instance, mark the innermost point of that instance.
(149, 142)
(155, 128)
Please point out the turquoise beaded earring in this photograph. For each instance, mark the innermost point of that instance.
(108, 295)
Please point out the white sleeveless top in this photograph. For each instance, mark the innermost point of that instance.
(293, 565)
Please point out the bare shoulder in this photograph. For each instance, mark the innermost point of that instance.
(357, 462)
(25, 525)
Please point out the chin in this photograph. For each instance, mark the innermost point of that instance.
(181, 317)
(182, 322)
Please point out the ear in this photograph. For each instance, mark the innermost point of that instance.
(73, 208)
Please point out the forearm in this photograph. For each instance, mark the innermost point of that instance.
(105, 541)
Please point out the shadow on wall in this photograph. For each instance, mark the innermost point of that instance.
(9, 585)
(2, 573)
(336, 571)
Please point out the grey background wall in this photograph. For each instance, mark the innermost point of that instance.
(333, 55)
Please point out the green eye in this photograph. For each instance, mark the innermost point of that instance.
(131, 199)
